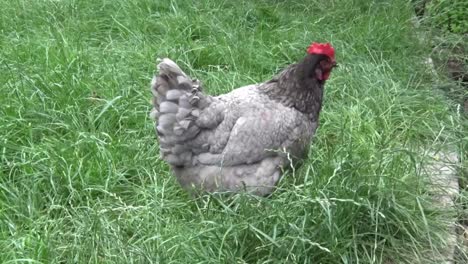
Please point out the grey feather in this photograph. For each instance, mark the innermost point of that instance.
(195, 112)
(185, 124)
(183, 113)
(236, 141)
(184, 102)
(178, 149)
(154, 114)
(160, 86)
(173, 95)
(178, 131)
(167, 121)
(168, 107)
(162, 131)
(175, 160)
(184, 83)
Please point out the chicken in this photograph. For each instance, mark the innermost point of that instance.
(242, 140)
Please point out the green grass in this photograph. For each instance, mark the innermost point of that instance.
(80, 176)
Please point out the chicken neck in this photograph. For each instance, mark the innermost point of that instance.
(297, 87)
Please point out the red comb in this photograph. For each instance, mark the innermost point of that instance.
(322, 48)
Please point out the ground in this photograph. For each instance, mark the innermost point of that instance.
(81, 180)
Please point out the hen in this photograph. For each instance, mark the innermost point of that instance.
(239, 141)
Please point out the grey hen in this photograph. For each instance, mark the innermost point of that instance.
(243, 139)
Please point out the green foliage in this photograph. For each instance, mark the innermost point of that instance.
(80, 176)
(450, 15)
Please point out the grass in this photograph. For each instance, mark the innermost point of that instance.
(81, 180)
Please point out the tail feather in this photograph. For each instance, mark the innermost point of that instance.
(177, 102)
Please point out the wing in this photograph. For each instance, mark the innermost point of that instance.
(268, 130)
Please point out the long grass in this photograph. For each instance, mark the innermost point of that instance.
(81, 180)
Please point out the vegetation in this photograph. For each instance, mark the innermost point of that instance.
(80, 176)
(449, 15)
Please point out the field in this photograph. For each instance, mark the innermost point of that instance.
(81, 180)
